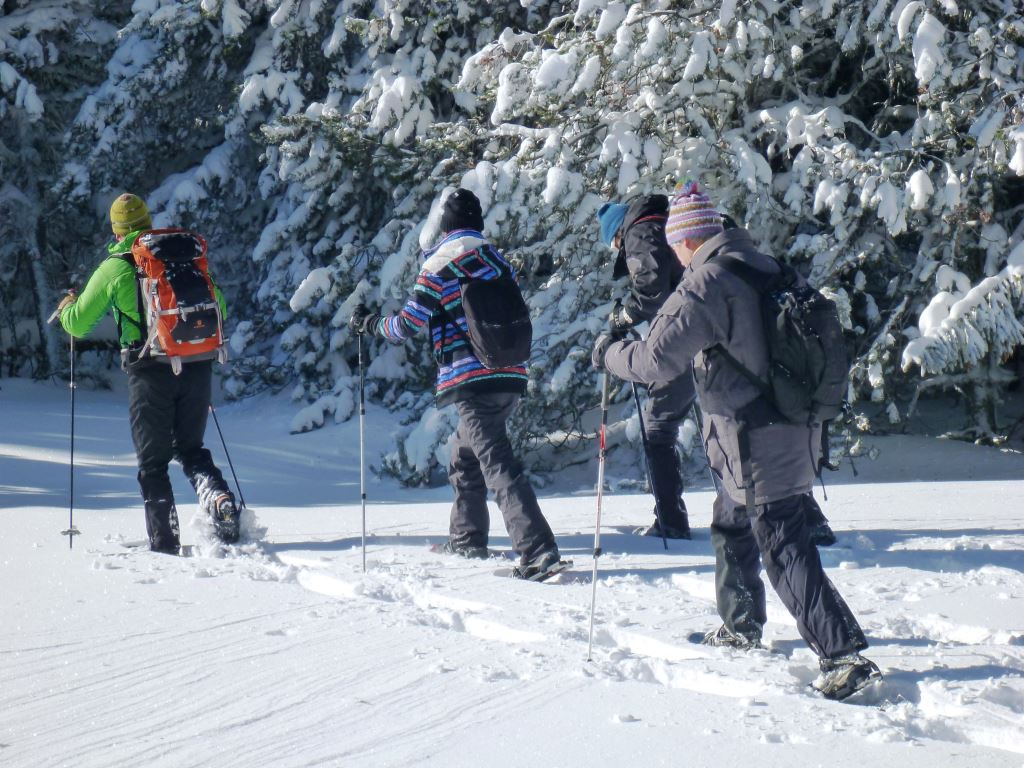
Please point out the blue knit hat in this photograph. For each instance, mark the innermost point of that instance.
(610, 216)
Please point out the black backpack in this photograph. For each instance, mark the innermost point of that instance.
(808, 368)
(498, 321)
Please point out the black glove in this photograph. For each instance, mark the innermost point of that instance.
(601, 344)
(363, 320)
(619, 321)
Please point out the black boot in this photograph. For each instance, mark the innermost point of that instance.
(215, 500)
(667, 479)
(226, 519)
(843, 676)
(655, 530)
(162, 525)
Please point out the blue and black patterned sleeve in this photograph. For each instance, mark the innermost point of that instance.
(415, 315)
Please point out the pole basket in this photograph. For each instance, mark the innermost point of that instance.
(71, 533)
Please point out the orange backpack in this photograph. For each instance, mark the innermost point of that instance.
(178, 302)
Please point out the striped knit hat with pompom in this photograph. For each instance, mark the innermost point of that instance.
(692, 216)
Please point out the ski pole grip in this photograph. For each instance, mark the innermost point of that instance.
(56, 313)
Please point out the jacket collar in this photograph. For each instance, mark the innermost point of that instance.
(453, 245)
(470, 238)
(731, 239)
(124, 245)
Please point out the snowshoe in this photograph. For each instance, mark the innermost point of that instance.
(226, 519)
(724, 638)
(543, 566)
(654, 529)
(468, 551)
(165, 546)
(843, 676)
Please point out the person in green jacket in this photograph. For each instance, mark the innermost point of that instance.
(167, 411)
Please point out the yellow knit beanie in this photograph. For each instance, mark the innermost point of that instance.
(129, 213)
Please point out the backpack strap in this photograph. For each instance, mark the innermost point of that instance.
(746, 472)
(128, 257)
(749, 375)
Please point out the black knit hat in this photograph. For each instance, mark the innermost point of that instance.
(461, 211)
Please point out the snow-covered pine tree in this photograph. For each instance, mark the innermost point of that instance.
(50, 55)
(173, 123)
(878, 145)
(825, 128)
(359, 171)
(968, 200)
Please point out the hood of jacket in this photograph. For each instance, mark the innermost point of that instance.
(640, 209)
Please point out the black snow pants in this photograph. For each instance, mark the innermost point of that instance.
(168, 417)
(482, 459)
(667, 405)
(779, 535)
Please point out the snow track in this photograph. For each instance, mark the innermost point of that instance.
(284, 653)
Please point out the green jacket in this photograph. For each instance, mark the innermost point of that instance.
(113, 286)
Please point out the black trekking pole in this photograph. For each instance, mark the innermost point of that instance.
(362, 462)
(602, 452)
(647, 455)
(216, 422)
(700, 428)
(71, 531)
(647, 463)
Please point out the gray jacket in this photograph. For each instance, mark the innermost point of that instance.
(712, 306)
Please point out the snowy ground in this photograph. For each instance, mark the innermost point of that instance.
(284, 653)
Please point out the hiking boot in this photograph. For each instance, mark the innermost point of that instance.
(165, 546)
(162, 525)
(724, 638)
(468, 551)
(654, 529)
(843, 676)
(539, 567)
(822, 535)
(226, 519)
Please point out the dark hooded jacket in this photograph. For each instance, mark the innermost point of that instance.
(653, 269)
(712, 306)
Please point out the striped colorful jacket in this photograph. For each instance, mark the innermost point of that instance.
(436, 303)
